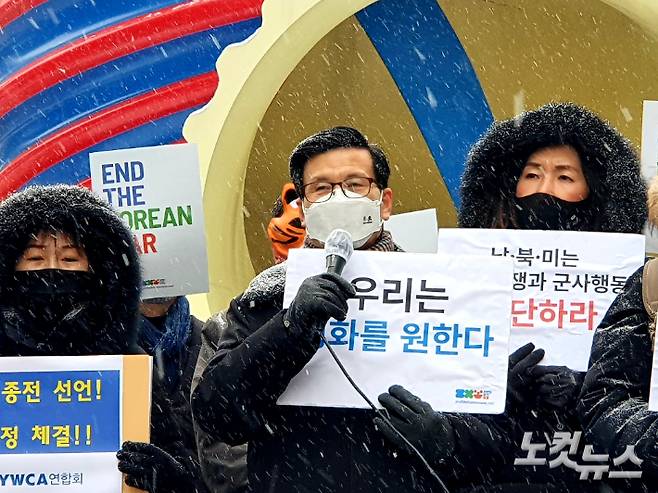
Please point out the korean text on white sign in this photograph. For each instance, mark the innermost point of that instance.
(564, 282)
(157, 192)
(438, 325)
(64, 418)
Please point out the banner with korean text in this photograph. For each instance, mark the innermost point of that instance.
(157, 192)
(64, 418)
(564, 282)
(438, 325)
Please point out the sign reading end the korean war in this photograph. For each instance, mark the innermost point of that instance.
(157, 192)
(564, 283)
(438, 325)
(62, 420)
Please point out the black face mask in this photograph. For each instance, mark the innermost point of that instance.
(48, 310)
(543, 211)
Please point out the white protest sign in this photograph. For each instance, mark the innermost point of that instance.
(438, 325)
(649, 158)
(157, 192)
(64, 418)
(414, 232)
(564, 282)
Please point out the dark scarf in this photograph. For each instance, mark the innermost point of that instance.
(168, 346)
(384, 243)
(52, 312)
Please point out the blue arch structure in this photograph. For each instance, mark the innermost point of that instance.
(435, 77)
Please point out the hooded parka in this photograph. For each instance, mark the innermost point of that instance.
(609, 162)
(616, 203)
(613, 404)
(106, 322)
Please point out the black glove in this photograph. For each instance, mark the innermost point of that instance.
(519, 375)
(430, 432)
(319, 298)
(151, 469)
(557, 386)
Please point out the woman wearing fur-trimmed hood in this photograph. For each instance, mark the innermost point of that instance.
(613, 406)
(609, 163)
(559, 167)
(78, 297)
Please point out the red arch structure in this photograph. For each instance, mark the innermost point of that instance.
(82, 76)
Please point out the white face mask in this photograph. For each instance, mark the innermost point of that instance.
(359, 216)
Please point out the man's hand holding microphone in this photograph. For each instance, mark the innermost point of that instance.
(325, 295)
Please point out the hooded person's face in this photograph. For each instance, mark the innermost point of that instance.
(46, 306)
(53, 251)
(555, 171)
(552, 192)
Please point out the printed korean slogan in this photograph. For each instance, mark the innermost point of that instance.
(564, 282)
(157, 192)
(438, 325)
(64, 418)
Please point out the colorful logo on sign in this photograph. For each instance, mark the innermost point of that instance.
(476, 394)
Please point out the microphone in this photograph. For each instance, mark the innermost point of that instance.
(339, 248)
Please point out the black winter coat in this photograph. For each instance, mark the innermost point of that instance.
(291, 448)
(613, 405)
(171, 415)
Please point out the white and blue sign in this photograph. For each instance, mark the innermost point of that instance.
(438, 325)
(62, 420)
(60, 412)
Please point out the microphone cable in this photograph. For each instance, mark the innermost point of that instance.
(380, 414)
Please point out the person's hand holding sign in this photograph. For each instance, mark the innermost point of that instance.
(522, 363)
(319, 298)
(557, 386)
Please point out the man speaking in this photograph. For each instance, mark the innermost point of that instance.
(342, 181)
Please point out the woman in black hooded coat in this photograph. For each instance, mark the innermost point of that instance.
(541, 399)
(93, 310)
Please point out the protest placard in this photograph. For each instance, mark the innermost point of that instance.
(439, 326)
(64, 418)
(415, 231)
(564, 282)
(157, 192)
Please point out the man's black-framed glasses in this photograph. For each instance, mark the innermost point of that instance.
(353, 188)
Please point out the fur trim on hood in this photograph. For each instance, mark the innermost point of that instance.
(609, 162)
(107, 242)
